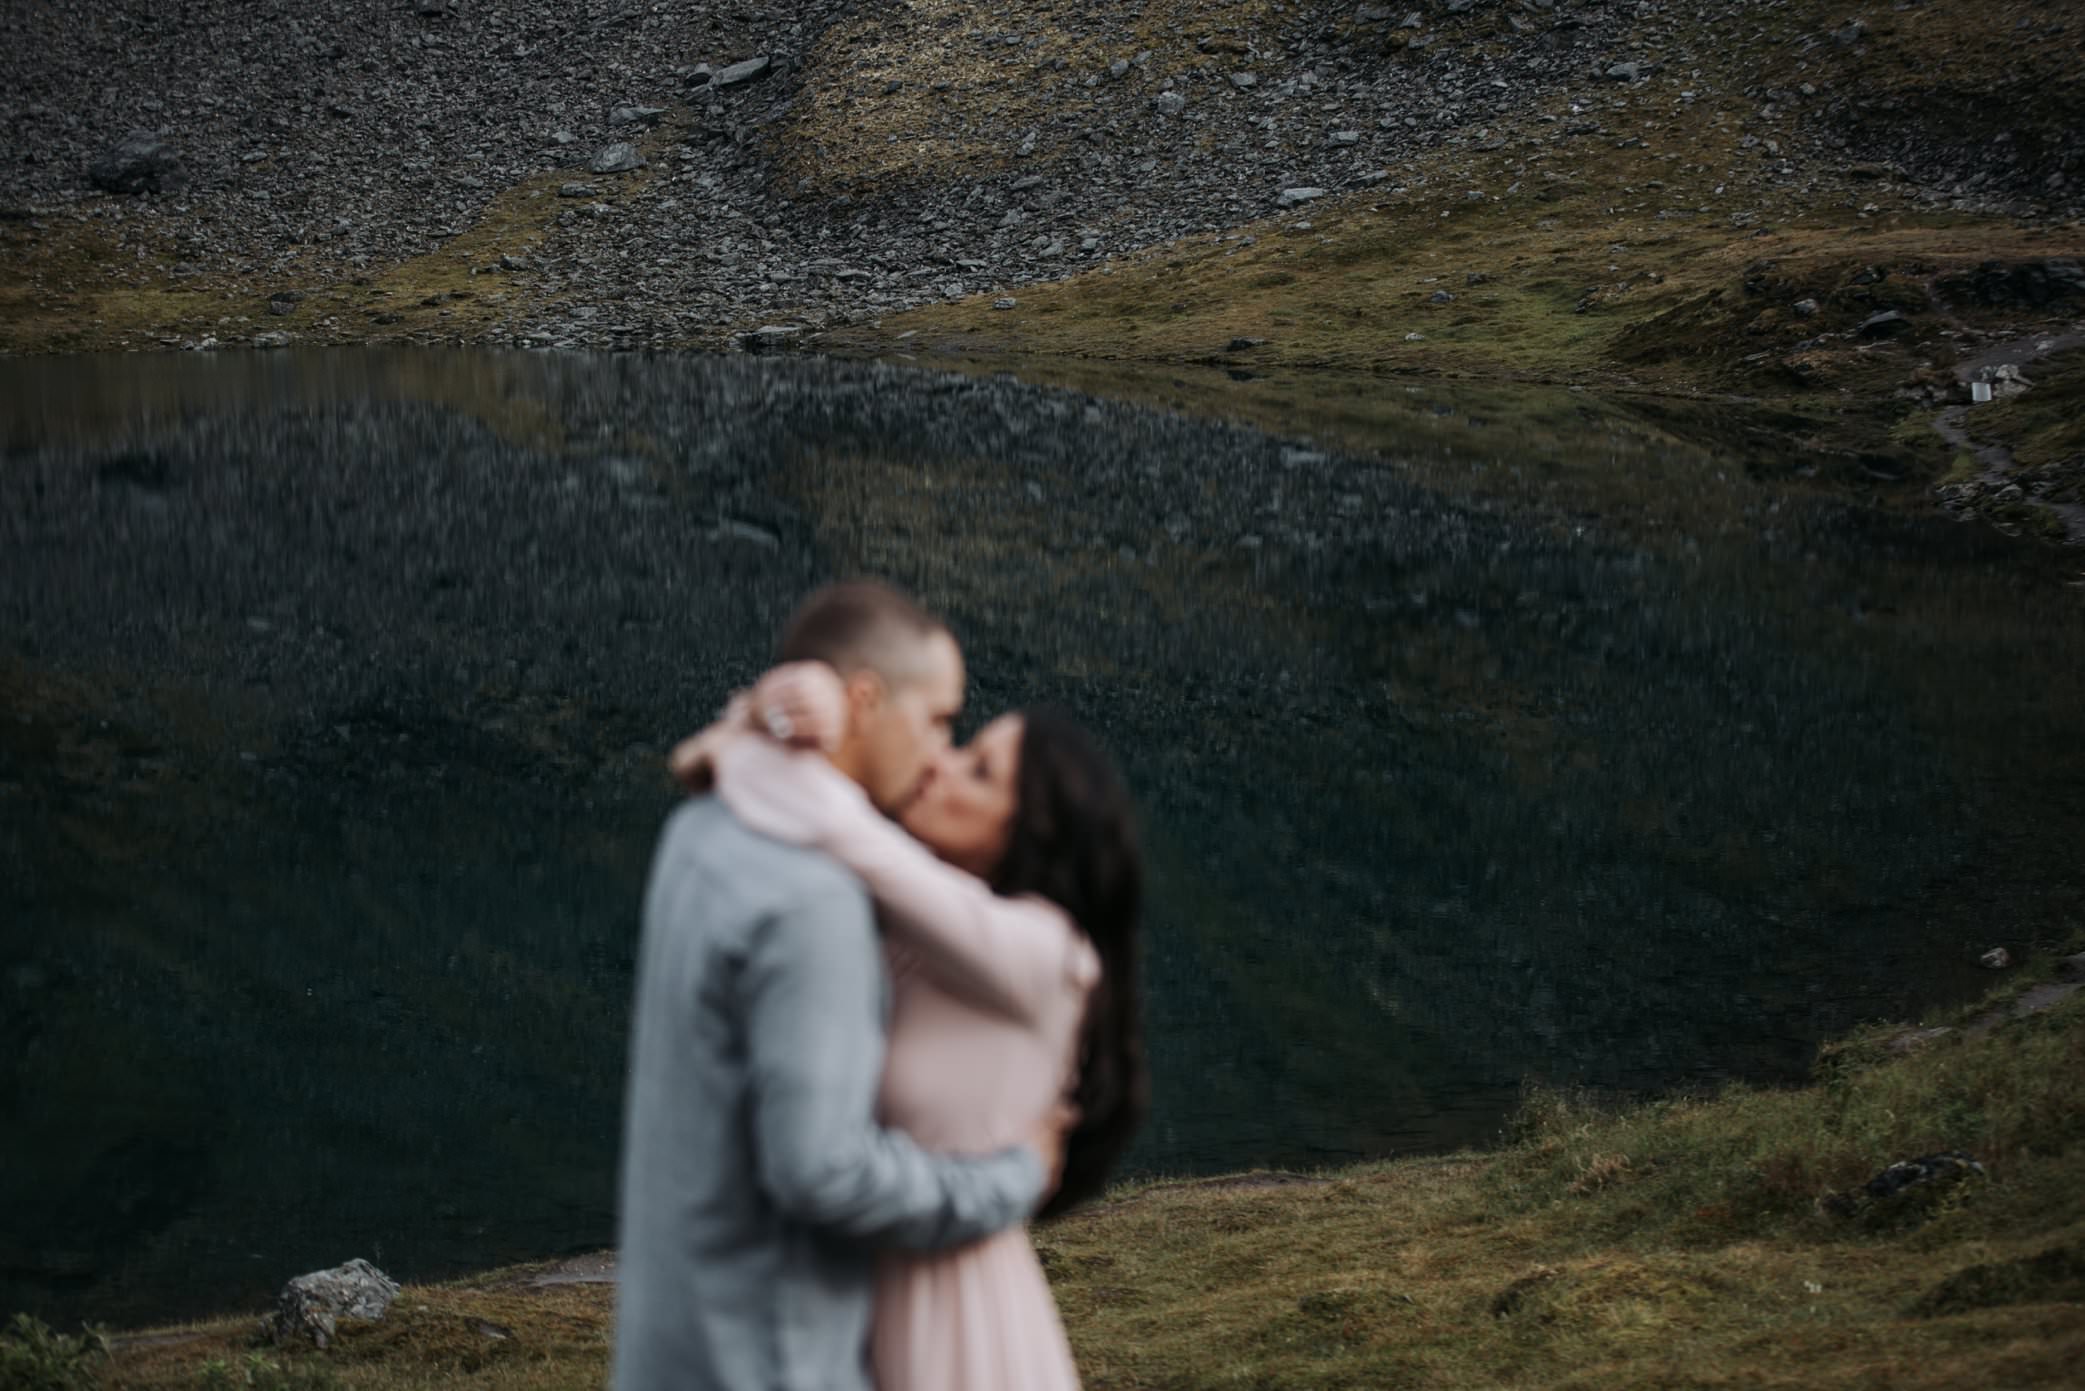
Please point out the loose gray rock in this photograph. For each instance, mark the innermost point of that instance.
(1628, 72)
(752, 70)
(140, 162)
(311, 1306)
(1170, 103)
(1806, 308)
(1996, 959)
(1242, 80)
(618, 158)
(770, 338)
(636, 115)
(1931, 1171)
(1291, 197)
(1007, 302)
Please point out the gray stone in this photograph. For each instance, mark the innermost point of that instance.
(275, 338)
(1291, 197)
(618, 158)
(636, 115)
(1996, 959)
(1628, 72)
(575, 190)
(1344, 137)
(311, 1306)
(1119, 69)
(1943, 1170)
(1911, 1040)
(1806, 308)
(1242, 80)
(1441, 297)
(140, 162)
(1006, 302)
(752, 70)
(1879, 325)
(770, 338)
(1170, 103)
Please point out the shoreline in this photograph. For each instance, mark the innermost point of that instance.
(1586, 1234)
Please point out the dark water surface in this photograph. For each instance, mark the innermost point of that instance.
(1534, 742)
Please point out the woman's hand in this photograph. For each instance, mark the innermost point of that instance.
(693, 761)
(803, 704)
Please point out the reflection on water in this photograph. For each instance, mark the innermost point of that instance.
(335, 687)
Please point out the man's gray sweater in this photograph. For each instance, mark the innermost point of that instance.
(756, 1184)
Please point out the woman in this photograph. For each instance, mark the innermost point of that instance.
(1010, 900)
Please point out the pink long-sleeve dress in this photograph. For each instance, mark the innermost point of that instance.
(988, 995)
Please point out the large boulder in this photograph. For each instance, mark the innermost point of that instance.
(311, 1306)
(140, 162)
(619, 158)
(738, 74)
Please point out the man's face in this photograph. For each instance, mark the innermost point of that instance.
(903, 733)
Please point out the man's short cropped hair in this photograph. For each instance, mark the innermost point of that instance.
(856, 625)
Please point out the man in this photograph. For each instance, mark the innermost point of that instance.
(756, 1184)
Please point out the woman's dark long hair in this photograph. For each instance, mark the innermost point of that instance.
(1073, 841)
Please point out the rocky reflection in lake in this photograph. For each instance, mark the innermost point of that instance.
(335, 689)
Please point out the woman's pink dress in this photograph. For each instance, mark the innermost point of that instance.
(988, 995)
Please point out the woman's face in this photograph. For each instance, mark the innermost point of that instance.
(965, 810)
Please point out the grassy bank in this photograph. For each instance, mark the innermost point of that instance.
(1690, 1242)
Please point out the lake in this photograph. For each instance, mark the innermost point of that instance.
(1484, 739)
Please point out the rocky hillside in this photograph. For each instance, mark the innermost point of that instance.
(610, 172)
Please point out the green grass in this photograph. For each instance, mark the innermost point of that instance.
(1685, 1242)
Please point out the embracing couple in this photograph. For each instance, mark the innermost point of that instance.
(886, 1011)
